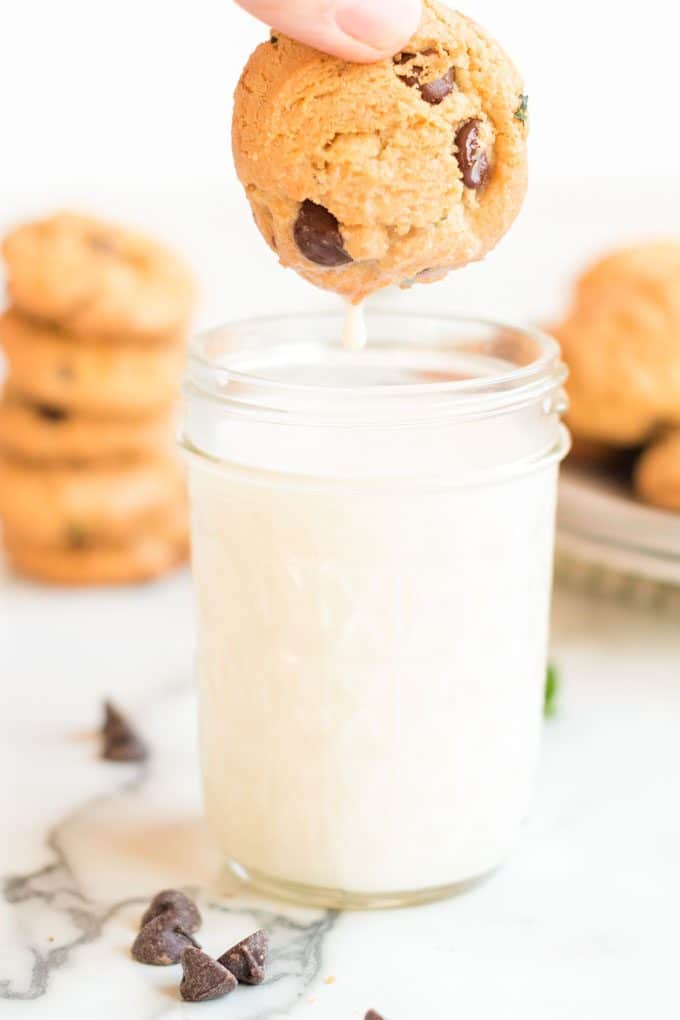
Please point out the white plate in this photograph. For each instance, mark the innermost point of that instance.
(600, 522)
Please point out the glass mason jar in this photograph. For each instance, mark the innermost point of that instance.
(372, 545)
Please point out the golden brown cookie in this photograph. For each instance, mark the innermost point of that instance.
(42, 434)
(73, 507)
(52, 367)
(621, 341)
(141, 558)
(362, 176)
(94, 278)
(657, 474)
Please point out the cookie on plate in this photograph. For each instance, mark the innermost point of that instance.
(96, 279)
(52, 367)
(657, 474)
(362, 176)
(73, 508)
(41, 433)
(621, 341)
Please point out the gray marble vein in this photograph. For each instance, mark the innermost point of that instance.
(52, 898)
(55, 885)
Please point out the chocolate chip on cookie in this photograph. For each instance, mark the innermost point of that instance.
(204, 978)
(51, 414)
(76, 536)
(246, 959)
(162, 941)
(318, 236)
(102, 243)
(372, 1015)
(175, 903)
(433, 92)
(472, 158)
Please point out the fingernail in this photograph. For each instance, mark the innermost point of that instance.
(384, 25)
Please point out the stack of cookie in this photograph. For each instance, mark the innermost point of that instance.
(91, 490)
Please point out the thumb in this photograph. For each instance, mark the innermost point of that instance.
(357, 30)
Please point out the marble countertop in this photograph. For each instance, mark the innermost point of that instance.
(580, 924)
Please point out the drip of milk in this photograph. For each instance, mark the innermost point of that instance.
(354, 330)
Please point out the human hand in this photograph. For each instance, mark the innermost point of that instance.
(356, 30)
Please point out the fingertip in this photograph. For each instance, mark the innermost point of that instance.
(380, 28)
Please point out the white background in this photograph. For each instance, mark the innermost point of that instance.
(124, 108)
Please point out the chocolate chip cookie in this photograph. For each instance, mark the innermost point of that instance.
(52, 367)
(67, 507)
(96, 279)
(142, 557)
(44, 433)
(621, 341)
(657, 474)
(362, 176)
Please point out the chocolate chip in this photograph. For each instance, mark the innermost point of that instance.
(273, 39)
(372, 1015)
(172, 901)
(102, 243)
(246, 959)
(76, 537)
(204, 978)
(433, 92)
(162, 941)
(317, 235)
(472, 159)
(49, 413)
(120, 742)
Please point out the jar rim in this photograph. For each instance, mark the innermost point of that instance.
(219, 374)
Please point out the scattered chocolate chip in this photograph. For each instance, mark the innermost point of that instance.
(204, 978)
(273, 39)
(433, 92)
(246, 960)
(317, 235)
(174, 902)
(162, 941)
(49, 413)
(522, 111)
(403, 58)
(372, 1015)
(120, 742)
(472, 160)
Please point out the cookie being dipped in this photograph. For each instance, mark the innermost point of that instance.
(364, 176)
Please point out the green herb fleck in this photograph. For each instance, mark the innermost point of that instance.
(552, 687)
(522, 111)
